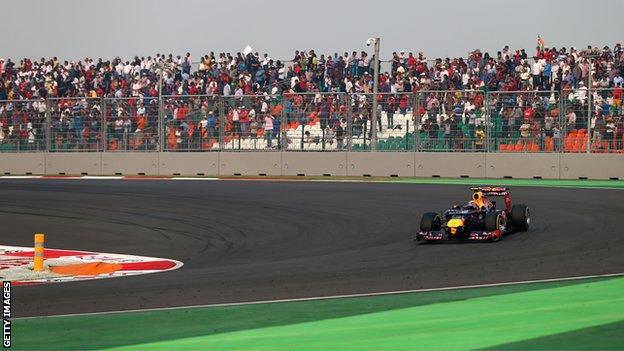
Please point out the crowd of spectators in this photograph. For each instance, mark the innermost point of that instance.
(551, 82)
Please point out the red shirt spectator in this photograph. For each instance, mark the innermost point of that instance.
(181, 113)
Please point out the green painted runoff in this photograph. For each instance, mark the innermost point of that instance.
(527, 316)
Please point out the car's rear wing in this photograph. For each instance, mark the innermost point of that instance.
(492, 191)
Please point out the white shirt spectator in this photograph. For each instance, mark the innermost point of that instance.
(571, 118)
(136, 87)
(537, 68)
(127, 69)
(235, 116)
(238, 92)
(265, 60)
(582, 93)
(227, 90)
(465, 78)
(211, 88)
(268, 123)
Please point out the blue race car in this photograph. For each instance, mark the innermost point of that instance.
(478, 220)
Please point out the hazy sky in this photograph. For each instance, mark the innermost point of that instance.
(73, 29)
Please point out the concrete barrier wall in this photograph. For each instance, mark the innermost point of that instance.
(73, 163)
(522, 165)
(250, 163)
(450, 165)
(402, 164)
(130, 163)
(574, 166)
(381, 164)
(22, 163)
(314, 163)
(188, 163)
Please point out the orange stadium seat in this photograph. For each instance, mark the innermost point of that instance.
(171, 141)
(582, 146)
(277, 110)
(549, 144)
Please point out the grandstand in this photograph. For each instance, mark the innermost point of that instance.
(504, 103)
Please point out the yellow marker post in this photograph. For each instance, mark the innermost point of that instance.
(39, 239)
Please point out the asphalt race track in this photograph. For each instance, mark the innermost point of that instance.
(262, 240)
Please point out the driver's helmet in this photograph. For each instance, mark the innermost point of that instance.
(478, 199)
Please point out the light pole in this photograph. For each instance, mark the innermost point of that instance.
(159, 147)
(373, 141)
(161, 134)
(590, 57)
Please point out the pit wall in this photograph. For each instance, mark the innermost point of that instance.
(357, 164)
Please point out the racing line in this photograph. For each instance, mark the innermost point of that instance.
(252, 241)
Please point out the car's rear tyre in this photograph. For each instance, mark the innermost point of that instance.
(520, 217)
(430, 221)
(494, 221)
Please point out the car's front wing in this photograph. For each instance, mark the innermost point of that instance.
(441, 235)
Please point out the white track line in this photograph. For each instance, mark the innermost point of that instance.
(317, 298)
(193, 178)
(343, 180)
(62, 177)
(102, 177)
(20, 177)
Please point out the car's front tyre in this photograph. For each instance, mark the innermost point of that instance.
(495, 221)
(430, 221)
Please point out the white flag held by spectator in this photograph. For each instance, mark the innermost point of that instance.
(248, 50)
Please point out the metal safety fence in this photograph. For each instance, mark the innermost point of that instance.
(130, 124)
(570, 121)
(522, 121)
(191, 123)
(451, 120)
(593, 120)
(75, 124)
(23, 126)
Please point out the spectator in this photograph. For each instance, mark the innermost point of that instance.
(211, 124)
(277, 124)
(236, 121)
(268, 130)
(253, 129)
(340, 133)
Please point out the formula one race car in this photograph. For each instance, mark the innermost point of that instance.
(479, 220)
